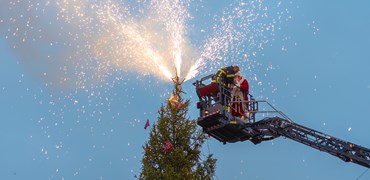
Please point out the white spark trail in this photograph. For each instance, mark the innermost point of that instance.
(139, 45)
(141, 37)
(214, 48)
(173, 13)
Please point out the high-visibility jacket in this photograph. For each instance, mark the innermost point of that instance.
(224, 76)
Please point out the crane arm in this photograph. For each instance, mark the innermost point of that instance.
(347, 151)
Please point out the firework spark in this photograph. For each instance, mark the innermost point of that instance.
(89, 40)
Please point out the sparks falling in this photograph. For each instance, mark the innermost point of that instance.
(89, 40)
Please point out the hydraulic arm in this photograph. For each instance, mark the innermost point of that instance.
(276, 126)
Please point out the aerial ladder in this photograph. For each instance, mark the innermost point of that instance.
(216, 120)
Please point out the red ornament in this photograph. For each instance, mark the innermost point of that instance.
(167, 146)
(147, 124)
(180, 105)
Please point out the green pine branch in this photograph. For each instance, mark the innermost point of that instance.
(183, 160)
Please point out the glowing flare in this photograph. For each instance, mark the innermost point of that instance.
(193, 71)
(102, 37)
(129, 31)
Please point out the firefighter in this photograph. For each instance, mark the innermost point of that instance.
(225, 75)
(225, 79)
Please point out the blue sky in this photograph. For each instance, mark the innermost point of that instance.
(315, 71)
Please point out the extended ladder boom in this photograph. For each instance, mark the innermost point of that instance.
(347, 151)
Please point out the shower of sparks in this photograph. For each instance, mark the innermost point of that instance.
(173, 13)
(133, 43)
(89, 40)
(151, 42)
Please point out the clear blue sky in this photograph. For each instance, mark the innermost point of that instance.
(316, 71)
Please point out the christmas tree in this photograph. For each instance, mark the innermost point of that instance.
(175, 143)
